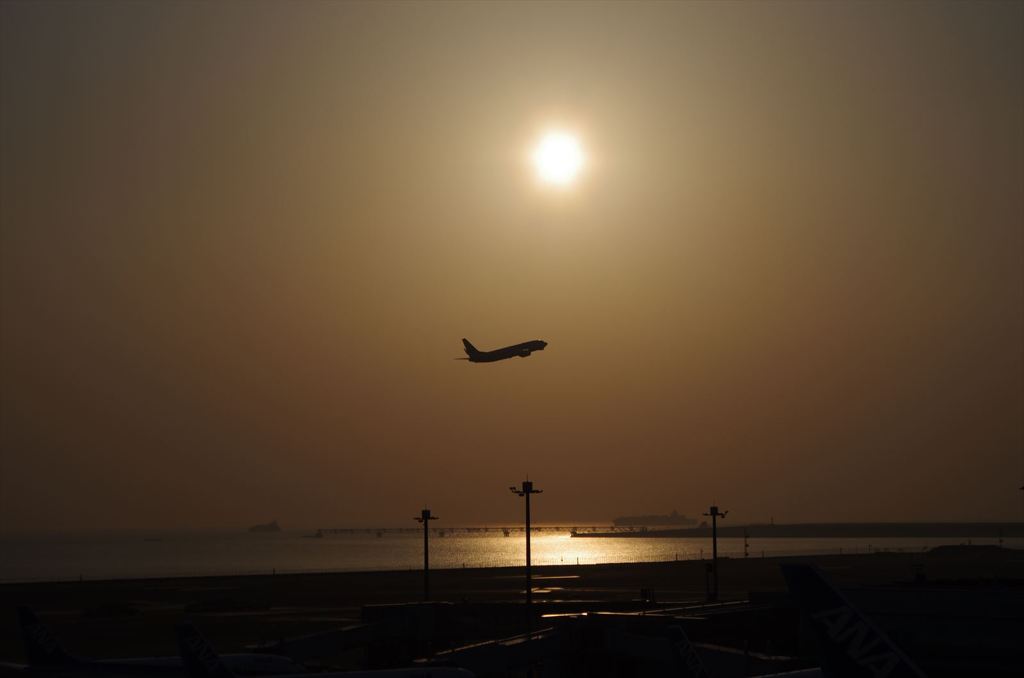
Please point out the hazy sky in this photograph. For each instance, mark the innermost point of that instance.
(241, 243)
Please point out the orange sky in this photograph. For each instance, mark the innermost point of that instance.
(241, 243)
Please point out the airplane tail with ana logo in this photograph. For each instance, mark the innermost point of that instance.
(41, 647)
(851, 645)
(197, 655)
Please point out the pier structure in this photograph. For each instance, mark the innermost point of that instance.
(506, 530)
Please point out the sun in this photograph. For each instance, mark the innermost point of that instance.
(558, 158)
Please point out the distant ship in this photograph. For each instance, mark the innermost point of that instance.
(674, 518)
(272, 526)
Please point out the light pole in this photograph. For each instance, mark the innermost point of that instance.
(525, 491)
(715, 515)
(425, 518)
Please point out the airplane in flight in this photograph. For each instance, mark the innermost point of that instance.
(522, 350)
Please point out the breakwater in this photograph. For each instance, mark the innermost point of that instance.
(833, 530)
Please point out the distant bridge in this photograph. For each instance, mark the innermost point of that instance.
(507, 530)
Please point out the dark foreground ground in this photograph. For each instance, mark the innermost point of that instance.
(137, 617)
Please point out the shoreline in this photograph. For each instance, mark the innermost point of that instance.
(545, 526)
(241, 554)
(702, 555)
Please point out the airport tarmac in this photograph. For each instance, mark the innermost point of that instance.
(137, 617)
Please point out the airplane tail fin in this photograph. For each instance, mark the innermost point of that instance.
(197, 655)
(471, 350)
(41, 646)
(686, 653)
(851, 644)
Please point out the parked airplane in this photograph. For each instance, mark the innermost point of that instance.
(46, 657)
(202, 662)
(522, 350)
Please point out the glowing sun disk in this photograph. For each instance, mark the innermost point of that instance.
(558, 158)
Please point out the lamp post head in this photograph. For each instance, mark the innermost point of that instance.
(425, 516)
(526, 489)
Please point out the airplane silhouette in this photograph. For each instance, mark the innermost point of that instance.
(48, 659)
(522, 350)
